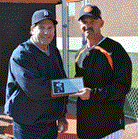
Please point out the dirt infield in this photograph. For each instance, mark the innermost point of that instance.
(131, 128)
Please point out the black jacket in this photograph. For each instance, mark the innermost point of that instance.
(28, 91)
(103, 113)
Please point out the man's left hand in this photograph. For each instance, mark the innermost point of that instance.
(62, 125)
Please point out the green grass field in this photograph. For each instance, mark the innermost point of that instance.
(133, 54)
(134, 76)
(71, 69)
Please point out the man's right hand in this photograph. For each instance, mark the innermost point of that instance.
(84, 93)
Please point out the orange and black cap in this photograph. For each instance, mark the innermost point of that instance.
(90, 10)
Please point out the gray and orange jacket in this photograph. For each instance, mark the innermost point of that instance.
(107, 70)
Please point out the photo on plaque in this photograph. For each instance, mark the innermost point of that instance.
(64, 87)
(58, 87)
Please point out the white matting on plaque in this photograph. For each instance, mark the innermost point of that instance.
(67, 86)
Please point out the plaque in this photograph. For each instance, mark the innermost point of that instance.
(64, 87)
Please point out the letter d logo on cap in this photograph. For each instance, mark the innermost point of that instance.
(88, 9)
(46, 13)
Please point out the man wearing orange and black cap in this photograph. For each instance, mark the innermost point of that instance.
(106, 69)
(28, 93)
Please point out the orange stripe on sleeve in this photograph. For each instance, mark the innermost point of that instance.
(77, 58)
(106, 54)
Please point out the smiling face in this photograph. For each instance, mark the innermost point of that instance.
(90, 27)
(43, 32)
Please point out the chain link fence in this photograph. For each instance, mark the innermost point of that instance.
(131, 104)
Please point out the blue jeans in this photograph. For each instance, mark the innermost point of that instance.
(38, 131)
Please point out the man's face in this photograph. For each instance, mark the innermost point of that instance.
(43, 32)
(91, 27)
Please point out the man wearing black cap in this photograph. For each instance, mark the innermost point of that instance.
(28, 94)
(106, 69)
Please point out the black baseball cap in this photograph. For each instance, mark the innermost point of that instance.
(90, 10)
(41, 15)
